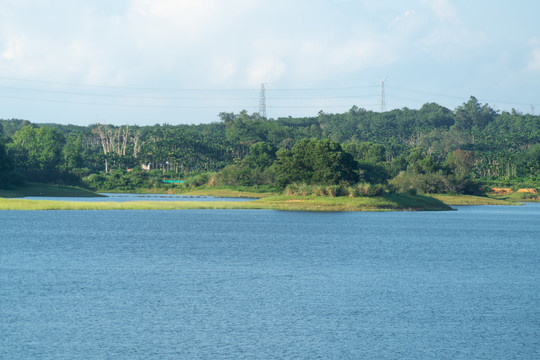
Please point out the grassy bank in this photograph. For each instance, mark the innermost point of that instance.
(392, 202)
(471, 200)
(387, 202)
(518, 197)
(36, 189)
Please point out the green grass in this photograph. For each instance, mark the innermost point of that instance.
(471, 200)
(36, 189)
(377, 203)
(518, 197)
(281, 202)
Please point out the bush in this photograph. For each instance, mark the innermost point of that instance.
(198, 180)
(412, 191)
(435, 183)
(366, 189)
(333, 190)
(303, 189)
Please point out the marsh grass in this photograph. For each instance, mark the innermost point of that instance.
(280, 202)
(22, 204)
(472, 200)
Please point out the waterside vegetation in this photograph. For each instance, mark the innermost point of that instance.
(391, 202)
(46, 190)
(473, 150)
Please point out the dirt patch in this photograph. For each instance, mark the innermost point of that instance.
(527, 191)
(501, 191)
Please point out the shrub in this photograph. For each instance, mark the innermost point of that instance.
(411, 191)
(304, 189)
(366, 189)
(197, 180)
(332, 190)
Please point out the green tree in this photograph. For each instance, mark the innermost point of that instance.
(315, 162)
(6, 166)
(462, 161)
(473, 115)
(38, 153)
(421, 163)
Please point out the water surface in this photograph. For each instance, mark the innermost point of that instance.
(258, 284)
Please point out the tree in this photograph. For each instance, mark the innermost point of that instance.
(6, 166)
(421, 163)
(254, 169)
(462, 161)
(38, 152)
(473, 115)
(315, 162)
(366, 152)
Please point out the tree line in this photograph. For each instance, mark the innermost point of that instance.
(432, 149)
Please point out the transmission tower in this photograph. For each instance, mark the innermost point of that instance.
(262, 103)
(383, 95)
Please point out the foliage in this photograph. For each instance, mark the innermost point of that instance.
(7, 175)
(358, 190)
(435, 183)
(433, 148)
(315, 162)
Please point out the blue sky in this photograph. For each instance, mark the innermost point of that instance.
(184, 61)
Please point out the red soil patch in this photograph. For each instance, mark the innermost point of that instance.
(528, 191)
(501, 191)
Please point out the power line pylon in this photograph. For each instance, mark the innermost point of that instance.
(262, 103)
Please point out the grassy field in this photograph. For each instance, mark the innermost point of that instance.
(262, 200)
(518, 197)
(36, 189)
(471, 200)
(392, 202)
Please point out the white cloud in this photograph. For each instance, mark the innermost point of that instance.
(184, 40)
(404, 18)
(444, 10)
(224, 69)
(446, 36)
(357, 55)
(13, 49)
(264, 70)
(534, 62)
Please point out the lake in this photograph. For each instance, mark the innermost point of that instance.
(261, 284)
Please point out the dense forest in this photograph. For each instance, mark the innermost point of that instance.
(432, 149)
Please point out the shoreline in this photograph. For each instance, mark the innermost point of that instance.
(12, 199)
(391, 202)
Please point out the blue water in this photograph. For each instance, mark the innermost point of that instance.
(255, 284)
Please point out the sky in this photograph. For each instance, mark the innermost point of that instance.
(145, 62)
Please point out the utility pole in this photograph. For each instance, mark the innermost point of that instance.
(383, 95)
(262, 103)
